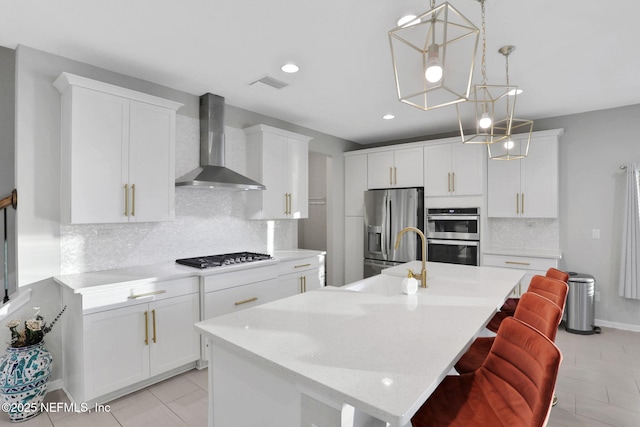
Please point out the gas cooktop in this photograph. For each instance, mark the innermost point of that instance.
(223, 259)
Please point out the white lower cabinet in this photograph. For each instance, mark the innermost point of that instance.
(301, 275)
(533, 265)
(141, 332)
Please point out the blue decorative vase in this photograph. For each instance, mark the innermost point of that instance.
(24, 377)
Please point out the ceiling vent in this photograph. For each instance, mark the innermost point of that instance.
(270, 81)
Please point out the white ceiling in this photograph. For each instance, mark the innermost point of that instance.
(571, 55)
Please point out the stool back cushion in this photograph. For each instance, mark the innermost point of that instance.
(540, 313)
(553, 289)
(520, 373)
(554, 273)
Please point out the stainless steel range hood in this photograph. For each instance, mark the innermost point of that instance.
(212, 173)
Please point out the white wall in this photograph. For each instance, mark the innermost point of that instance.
(593, 147)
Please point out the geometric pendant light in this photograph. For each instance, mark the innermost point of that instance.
(433, 57)
(517, 145)
(487, 116)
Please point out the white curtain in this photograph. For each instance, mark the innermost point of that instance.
(629, 286)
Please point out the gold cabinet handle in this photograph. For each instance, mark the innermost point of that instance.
(286, 203)
(126, 200)
(517, 262)
(522, 204)
(453, 182)
(147, 294)
(517, 203)
(146, 328)
(390, 176)
(246, 301)
(289, 203)
(300, 283)
(304, 283)
(133, 200)
(448, 182)
(302, 265)
(153, 316)
(395, 175)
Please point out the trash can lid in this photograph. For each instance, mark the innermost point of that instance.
(580, 277)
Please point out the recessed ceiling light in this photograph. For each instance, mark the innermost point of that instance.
(290, 68)
(388, 116)
(408, 19)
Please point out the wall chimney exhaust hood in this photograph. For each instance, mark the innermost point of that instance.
(212, 173)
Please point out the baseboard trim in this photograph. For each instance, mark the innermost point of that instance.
(618, 325)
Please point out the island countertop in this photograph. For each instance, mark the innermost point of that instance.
(367, 344)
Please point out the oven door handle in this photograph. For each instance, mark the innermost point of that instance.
(453, 242)
(453, 218)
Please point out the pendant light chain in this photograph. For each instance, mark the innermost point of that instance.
(506, 68)
(484, 45)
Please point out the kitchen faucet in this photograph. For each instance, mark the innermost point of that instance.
(423, 273)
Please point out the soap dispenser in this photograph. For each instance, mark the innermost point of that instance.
(409, 284)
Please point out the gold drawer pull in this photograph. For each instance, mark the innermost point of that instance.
(146, 328)
(246, 301)
(147, 294)
(153, 315)
(517, 263)
(302, 265)
(133, 200)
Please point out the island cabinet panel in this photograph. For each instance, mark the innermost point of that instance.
(279, 160)
(117, 153)
(395, 168)
(141, 334)
(526, 188)
(453, 169)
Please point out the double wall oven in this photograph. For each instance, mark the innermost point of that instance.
(453, 235)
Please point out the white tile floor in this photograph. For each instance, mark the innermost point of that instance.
(598, 385)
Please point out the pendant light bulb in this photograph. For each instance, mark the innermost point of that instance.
(485, 121)
(434, 66)
(509, 144)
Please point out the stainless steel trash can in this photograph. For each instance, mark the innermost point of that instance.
(580, 304)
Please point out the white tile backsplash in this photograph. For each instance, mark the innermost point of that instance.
(207, 221)
(518, 233)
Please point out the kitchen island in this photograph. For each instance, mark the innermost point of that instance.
(361, 355)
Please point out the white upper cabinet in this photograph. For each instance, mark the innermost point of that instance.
(355, 184)
(279, 160)
(395, 168)
(526, 188)
(453, 169)
(117, 153)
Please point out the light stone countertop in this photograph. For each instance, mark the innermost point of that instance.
(101, 280)
(367, 344)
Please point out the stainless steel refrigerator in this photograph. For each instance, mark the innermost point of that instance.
(386, 212)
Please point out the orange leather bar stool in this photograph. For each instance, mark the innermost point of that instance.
(513, 387)
(534, 310)
(554, 289)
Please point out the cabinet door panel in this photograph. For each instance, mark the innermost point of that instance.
(176, 343)
(437, 170)
(116, 354)
(503, 188)
(467, 160)
(298, 178)
(99, 138)
(380, 170)
(355, 181)
(540, 179)
(353, 249)
(408, 164)
(151, 162)
(274, 176)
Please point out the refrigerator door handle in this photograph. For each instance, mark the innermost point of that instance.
(389, 222)
(385, 225)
